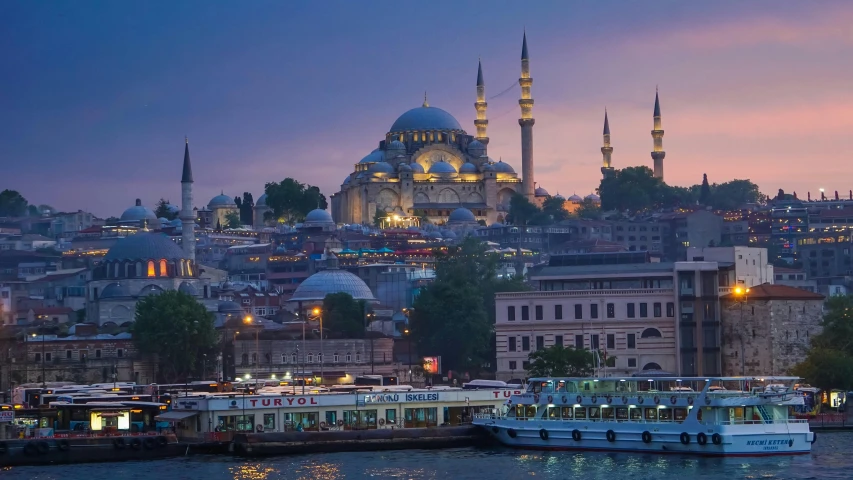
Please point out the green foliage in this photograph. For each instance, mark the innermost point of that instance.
(829, 363)
(289, 201)
(378, 216)
(521, 211)
(735, 193)
(232, 220)
(178, 330)
(344, 316)
(454, 316)
(162, 210)
(705, 191)
(246, 206)
(12, 204)
(559, 361)
(555, 208)
(588, 209)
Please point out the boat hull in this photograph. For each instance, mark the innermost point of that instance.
(770, 439)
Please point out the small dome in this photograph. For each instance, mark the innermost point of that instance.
(145, 246)
(449, 234)
(318, 216)
(417, 168)
(541, 192)
(575, 198)
(114, 290)
(373, 157)
(593, 197)
(503, 167)
(468, 168)
(559, 197)
(187, 288)
(425, 118)
(476, 148)
(488, 167)
(229, 307)
(221, 200)
(324, 282)
(262, 201)
(138, 213)
(163, 220)
(442, 167)
(381, 167)
(404, 167)
(346, 180)
(397, 145)
(461, 215)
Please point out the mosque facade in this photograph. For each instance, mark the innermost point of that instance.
(428, 166)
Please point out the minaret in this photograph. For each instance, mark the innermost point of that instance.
(606, 149)
(526, 121)
(657, 135)
(187, 215)
(481, 123)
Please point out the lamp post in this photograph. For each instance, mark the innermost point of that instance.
(248, 321)
(409, 341)
(743, 294)
(370, 316)
(318, 314)
(42, 359)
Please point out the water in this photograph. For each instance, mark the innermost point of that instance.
(830, 459)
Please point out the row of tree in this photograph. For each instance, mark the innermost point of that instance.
(13, 204)
(523, 212)
(829, 363)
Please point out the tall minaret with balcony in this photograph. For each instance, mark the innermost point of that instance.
(657, 136)
(606, 149)
(481, 122)
(187, 215)
(526, 122)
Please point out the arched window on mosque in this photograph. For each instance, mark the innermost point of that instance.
(189, 269)
(293, 358)
(438, 136)
(183, 267)
(139, 270)
(163, 268)
(151, 272)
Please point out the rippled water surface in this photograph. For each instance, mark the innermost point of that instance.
(832, 458)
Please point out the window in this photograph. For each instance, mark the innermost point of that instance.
(349, 357)
(611, 341)
(656, 308)
(162, 268)
(151, 272)
(651, 333)
(525, 364)
(357, 357)
(525, 344)
(294, 358)
(48, 357)
(540, 342)
(578, 311)
(558, 312)
(284, 358)
(670, 309)
(510, 313)
(578, 341)
(120, 352)
(644, 310)
(525, 312)
(68, 354)
(269, 421)
(319, 358)
(539, 312)
(511, 347)
(390, 416)
(337, 358)
(611, 310)
(558, 340)
(593, 310)
(593, 342)
(632, 363)
(38, 357)
(97, 354)
(513, 365)
(632, 340)
(631, 312)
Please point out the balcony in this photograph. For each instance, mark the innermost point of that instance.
(586, 293)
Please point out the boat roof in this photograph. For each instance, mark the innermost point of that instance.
(664, 379)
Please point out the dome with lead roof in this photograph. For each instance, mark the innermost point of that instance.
(318, 215)
(138, 213)
(375, 156)
(332, 280)
(541, 192)
(417, 168)
(442, 167)
(381, 167)
(461, 215)
(468, 168)
(425, 118)
(221, 200)
(503, 167)
(262, 200)
(145, 246)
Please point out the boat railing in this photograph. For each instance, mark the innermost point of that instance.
(756, 422)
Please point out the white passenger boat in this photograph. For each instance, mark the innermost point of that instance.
(704, 416)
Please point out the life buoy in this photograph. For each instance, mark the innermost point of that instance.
(647, 437)
(579, 399)
(718, 439)
(119, 443)
(63, 445)
(565, 400)
(640, 400)
(259, 428)
(690, 400)
(657, 400)
(536, 398)
(322, 424)
(593, 399)
(550, 399)
(624, 400)
(543, 434)
(609, 399)
(701, 438)
(381, 421)
(340, 423)
(790, 442)
(685, 438)
(135, 443)
(673, 400)
(576, 435)
(611, 436)
(511, 433)
(149, 444)
(814, 437)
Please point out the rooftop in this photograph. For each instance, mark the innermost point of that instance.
(767, 291)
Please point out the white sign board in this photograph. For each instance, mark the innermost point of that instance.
(7, 415)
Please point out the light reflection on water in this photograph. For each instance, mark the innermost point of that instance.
(829, 460)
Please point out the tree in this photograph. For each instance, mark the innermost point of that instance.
(829, 363)
(734, 194)
(343, 315)
(554, 207)
(378, 217)
(559, 361)
(12, 204)
(705, 192)
(633, 188)
(232, 220)
(246, 206)
(522, 212)
(163, 210)
(178, 330)
(289, 201)
(588, 209)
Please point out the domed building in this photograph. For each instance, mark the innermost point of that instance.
(447, 169)
(318, 220)
(220, 206)
(260, 209)
(139, 216)
(137, 266)
(331, 280)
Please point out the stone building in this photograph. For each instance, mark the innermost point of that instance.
(767, 330)
(220, 206)
(427, 165)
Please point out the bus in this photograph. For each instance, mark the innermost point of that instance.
(376, 380)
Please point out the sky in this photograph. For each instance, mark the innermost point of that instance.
(97, 96)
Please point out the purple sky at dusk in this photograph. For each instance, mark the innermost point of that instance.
(96, 97)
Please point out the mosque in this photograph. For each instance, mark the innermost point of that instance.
(428, 166)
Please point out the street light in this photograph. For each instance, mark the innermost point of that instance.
(406, 333)
(42, 359)
(743, 293)
(370, 317)
(317, 312)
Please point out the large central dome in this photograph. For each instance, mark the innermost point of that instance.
(425, 118)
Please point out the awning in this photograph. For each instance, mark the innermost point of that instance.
(174, 416)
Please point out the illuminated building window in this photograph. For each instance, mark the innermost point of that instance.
(162, 268)
(151, 272)
(438, 136)
(183, 267)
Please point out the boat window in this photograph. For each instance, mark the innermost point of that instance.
(622, 413)
(520, 411)
(580, 413)
(665, 414)
(531, 411)
(652, 414)
(572, 387)
(680, 414)
(553, 413)
(561, 387)
(594, 413)
(567, 413)
(535, 387)
(636, 414)
(586, 386)
(607, 413)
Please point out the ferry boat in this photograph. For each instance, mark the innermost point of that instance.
(725, 416)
